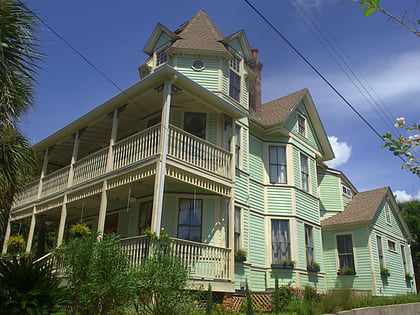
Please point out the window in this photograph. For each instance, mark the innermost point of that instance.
(195, 123)
(280, 240)
(111, 223)
(304, 172)
(238, 145)
(345, 252)
(234, 79)
(404, 259)
(161, 58)
(277, 165)
(391, 246)
(237, 229)
(145, 216)
(309, 244)
(189, 219)
(346, 190)
(301, 124)
(198, 65)
(380, 251)
(387, 213)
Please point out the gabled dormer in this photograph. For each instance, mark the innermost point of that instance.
(200, 51)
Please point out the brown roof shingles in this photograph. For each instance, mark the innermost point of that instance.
(276, 111)
(362, 208)
(200, 33)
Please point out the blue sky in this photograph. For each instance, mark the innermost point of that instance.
(112, 35)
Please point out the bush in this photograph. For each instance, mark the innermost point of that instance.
(98, 274)
(16, 244)
(29, 288)
(162, 285)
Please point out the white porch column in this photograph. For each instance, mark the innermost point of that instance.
(102, 210)
(62, 224)
(161, 163)
(231, 209)
(31, 232)
(112, 140)
(6, 236)
(74, 157)
(44, 171)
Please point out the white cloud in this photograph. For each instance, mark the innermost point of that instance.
(342, 152)
(403, 196)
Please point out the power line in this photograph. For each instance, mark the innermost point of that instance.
(314, 69)
(73, 48)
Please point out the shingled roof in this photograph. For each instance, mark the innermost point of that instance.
(276, 111)
(362, 208)
(200, 33)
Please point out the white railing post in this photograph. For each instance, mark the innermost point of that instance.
(102, 210)
(44, 171)
(31, 231)
(74, 157)
(62, 225)
(112, 140)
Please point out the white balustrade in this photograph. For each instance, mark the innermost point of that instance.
(55, 182)
(28, 195)
(90, 167)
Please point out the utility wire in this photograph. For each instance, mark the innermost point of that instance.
(73, 48)
(314, 68)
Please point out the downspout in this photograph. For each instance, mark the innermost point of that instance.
(161, 171)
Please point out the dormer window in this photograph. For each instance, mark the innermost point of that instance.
(346, 190)
(301, 124)
(234, 79)
(161, 58)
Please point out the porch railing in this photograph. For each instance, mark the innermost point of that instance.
(138, 147)
(202, 260)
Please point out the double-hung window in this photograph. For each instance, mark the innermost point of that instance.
(277, 165)
(161, 58)
(234, 79)
(301, 124)
(237, 145)
(387, 213)
(280, 240)
(309, 244)
(145, 216)
(404, 259)
(190, 219)
(237, 229)
(304, 172)
(380, 251)
(345, 252)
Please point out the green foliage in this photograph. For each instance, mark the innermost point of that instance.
(98, 274)
(28, 287)
(384, 271)
(79, 229)
(411, 213)
(277, 303)
(209, 301)
(371, 6)
(240, 252)
(162, 283)
(249, 306)
(16, 244)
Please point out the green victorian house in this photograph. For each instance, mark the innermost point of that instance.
(241, 187)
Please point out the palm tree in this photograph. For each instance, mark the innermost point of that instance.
(18, 57)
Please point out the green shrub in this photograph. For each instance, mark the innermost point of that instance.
(98, 274)
(16, 244)
(29, 288)
(209, 301)
(79, 230)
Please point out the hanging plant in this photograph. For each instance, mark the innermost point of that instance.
(16, 244)
(79, 230)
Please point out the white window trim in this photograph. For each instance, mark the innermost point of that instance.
(305, 125)
(395, 250)
(268, 164)
(240, 73)
(337, 259)
(308, 174)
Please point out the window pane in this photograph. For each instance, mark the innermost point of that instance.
(277, 165)
(280, 243)
(190, 219)
(145, 216)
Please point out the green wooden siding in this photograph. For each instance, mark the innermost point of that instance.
(256, 162)
(170, 218)
(245, 149)
(212, 128)
(394, 227)
(241, 189)
(176, 117)
(257, 281)
(329, 192)
(395, 283)
(208, 77)
(257, 244)
(363, 279)
(279, 200)
(256, 197)
(307, 207)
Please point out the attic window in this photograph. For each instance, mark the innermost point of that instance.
(301, 124)
(234, 79)
(346, 191)
(387, 213)
(198, 65)
(234, 64)
(161, 58)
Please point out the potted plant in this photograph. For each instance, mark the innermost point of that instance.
(79, 230)
(408, 277)
(16, 244)
(240, 255)
(314, 266)
(284, 264)
(385, 272)
(348, 271)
